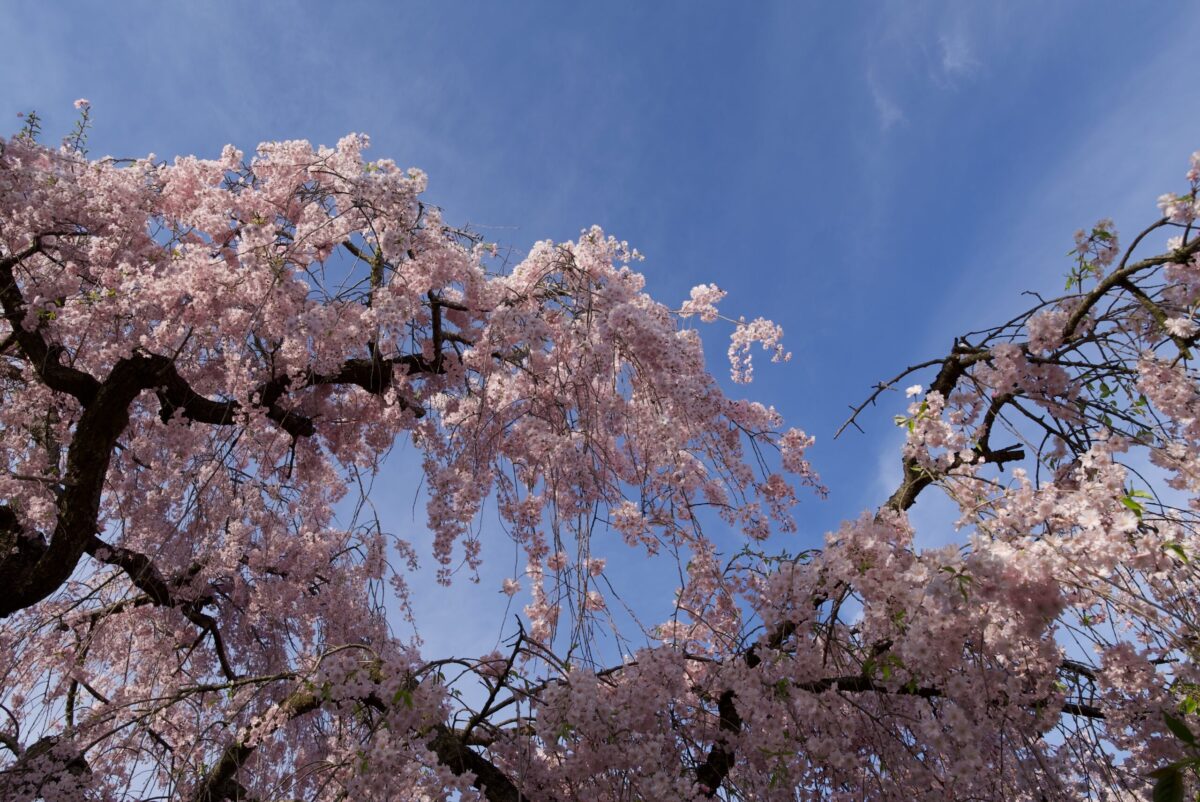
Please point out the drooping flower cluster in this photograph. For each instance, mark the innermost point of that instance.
(201, 358)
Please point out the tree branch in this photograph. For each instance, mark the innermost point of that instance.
(451, 750)
(147, 578)
(102, 422)
(42, 356)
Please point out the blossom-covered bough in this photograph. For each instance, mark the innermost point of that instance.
(204, 364)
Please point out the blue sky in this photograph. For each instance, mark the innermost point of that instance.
(876, 177)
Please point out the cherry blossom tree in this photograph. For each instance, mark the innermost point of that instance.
(205, 363)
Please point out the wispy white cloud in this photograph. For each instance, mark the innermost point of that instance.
(888, 110)
(958, 54)
(915, 49)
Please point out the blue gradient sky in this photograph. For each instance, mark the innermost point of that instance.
(877, 177)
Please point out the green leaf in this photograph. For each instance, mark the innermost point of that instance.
(1180, 729)
(1169, 787)
(1133, 505)
(1177, 549)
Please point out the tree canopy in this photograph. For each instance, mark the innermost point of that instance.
(204, 363)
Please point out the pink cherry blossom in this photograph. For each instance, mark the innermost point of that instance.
(205, 363)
